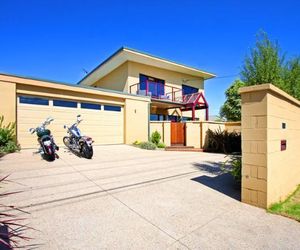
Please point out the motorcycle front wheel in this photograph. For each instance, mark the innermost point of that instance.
(87, 152)
(66, 141)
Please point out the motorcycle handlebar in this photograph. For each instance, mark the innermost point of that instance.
(32, 130)
(48, 121)
(79, 120)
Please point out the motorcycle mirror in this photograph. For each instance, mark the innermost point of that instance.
(31, 130)
(48, 120)
(65, 126)
(78, 118)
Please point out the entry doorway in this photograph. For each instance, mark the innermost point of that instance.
(178, 133)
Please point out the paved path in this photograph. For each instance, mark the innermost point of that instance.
(128, 198)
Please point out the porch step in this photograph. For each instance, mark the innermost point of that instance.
(183, 149)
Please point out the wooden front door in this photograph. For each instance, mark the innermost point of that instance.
(177, 133)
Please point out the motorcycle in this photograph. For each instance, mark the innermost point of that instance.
(78, 143)
(45, 139)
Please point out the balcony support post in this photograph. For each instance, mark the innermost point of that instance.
(193, 113)
(147, 87)
(207, 113)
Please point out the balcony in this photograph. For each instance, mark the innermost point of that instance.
(157, 91)
(168, 94)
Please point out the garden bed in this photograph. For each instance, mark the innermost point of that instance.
(290, 207)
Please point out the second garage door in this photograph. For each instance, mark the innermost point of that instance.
(104, 123)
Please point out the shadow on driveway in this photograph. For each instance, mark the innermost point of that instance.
(221, 182)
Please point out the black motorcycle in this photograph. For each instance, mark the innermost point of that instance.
(48, 147)
(76, 142)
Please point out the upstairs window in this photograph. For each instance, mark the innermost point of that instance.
(187, 90)
(153, 85)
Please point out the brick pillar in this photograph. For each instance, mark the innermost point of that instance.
(254, 148)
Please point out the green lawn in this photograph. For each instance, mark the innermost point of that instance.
(290, 207)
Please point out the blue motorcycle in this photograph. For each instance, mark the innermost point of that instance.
(78, 143)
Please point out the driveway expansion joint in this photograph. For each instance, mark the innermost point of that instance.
(127, 206)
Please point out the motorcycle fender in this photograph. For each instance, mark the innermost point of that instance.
(87, 140)
(49, 150)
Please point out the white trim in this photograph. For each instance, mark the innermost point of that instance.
(138, 57)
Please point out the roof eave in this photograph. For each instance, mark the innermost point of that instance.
(194, 71)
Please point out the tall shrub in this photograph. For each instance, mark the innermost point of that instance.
(7, 137)
(222, 141)
(155, 137)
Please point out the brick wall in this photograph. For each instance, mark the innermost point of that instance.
(269, 174)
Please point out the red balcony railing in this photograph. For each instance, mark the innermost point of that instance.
(157, 91)
(190, 102)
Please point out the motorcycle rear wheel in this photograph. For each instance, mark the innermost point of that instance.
(51, 157)
(87, 152)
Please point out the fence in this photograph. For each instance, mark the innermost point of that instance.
(195, 134)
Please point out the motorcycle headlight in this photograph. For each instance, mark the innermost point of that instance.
(47, 143)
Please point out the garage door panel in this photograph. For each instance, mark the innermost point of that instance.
(105, 127)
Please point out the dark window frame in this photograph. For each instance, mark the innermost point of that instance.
(32, 100)
(153, 82)
(173, 118)
(90, 106)
(189, 89)
(112, 108)
(65, 103)
(157, 117)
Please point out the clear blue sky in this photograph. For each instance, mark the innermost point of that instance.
(56, 39)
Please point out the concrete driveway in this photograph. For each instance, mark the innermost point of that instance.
(128, 198)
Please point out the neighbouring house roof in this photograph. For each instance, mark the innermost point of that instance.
(126, 54)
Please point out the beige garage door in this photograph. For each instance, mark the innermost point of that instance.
(104, 123)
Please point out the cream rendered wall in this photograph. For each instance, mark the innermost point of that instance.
(195, 131)
(193, 134)
(167, 133)
(171, 78)
(212, 126)
(164, 128)
(115, 80)
(157, 126)
(233, 126)
(136, 120)
(8, 101)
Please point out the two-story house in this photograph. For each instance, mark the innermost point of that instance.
(118, 99)
(176, 90)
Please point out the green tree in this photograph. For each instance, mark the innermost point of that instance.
(291, 77)
(264, 64)
(231, 109)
